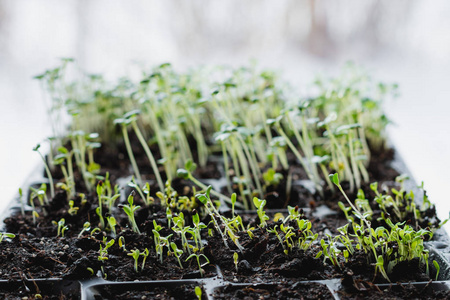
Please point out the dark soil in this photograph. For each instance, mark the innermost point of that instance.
(143, 291)
(31, 290)
(285, 290)
(369, 291)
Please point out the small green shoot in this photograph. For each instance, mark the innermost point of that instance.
(436, 265)
(198, 292)
(130, 209)
(6, 234)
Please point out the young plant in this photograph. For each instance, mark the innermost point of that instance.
(47, 170)
(112, 225)
(65, 157)
(130, 209)
(22, 207)
(103, 254)
(435, 263)
(198, 257)
(6, 234)
(123, 123)
(135, 255)
(214, 213)
(236, 260)
(259, 204)
(198, 292)
(86, 227)
(61, 227)
(132, 118)
(176, 252)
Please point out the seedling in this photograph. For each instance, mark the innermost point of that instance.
(112, 225)
(122, 243)
(335, 179)
(214, 213)
(135, 254)
(61, 227)
(124, 122)
(145, 255)
(47, 170)
(86, 227)
(177, 253)
(236, 260)
(198, 292)
(22, 209)
(197, 257)
(130, 209)
(438, 268)
(6, 234)
(72, 208)
(259, 204)
(103, 254)
(65, 156)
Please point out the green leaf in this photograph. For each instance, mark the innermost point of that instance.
(182, 173)
(334, 178)
(202, 198)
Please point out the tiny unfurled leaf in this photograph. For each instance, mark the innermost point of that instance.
(182, 173)
(334, 178)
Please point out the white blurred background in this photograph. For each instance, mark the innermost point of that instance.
(404, 41)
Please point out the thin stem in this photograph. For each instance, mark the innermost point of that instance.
(149, 154)
(130, 154)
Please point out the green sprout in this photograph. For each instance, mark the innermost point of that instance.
(47, 170)
(122, 243)
(436, 265)
(6, 234)
(112, 225)
(135, 254)
(236, 260)
(130, 209)
(177, 253)
(103, 254)
(22, 208)
(72, 208)
(86, 227)
(198, 292)
(259, 204)
(61, 227)
(198, 257)
(205, 199)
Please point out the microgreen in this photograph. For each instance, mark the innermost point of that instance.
(130, 209)
(436, 265)
(22, 208)
(135, 255)
(61, 227)
(47, 170)
(198, 257)
(86, 227)
(198, 292)
(177, 253)
(112, 225)
(259, 204)
(214, 213)
(236, 260)
(6, 234)
(65, 157)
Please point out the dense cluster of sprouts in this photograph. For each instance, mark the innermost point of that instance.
(258, 126)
